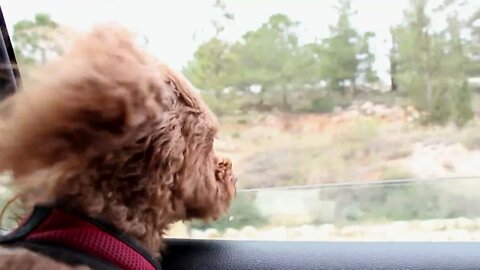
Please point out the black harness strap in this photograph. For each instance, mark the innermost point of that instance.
(64, 254)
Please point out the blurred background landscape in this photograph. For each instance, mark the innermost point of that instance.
(310, 125)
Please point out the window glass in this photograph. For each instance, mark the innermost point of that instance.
(436, 210)
(345, 119)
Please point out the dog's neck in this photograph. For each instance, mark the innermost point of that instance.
(147, 226)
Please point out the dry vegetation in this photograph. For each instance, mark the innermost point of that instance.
(282, 150)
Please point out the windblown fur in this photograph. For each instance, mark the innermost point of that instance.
(110, 132)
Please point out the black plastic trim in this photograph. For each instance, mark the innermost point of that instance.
(10, 63)
(243, 255)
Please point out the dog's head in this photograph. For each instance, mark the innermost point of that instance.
(202, 180)
(117, 135)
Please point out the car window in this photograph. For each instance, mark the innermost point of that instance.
(346, 120)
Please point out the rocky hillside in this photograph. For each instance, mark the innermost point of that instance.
(363, 142)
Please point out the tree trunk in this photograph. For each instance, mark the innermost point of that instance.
(393, 64)
(261, 101)
(393, 86)
(353, 86)
(393, 74)
(429, 94)
(285, 103)
(218, 94)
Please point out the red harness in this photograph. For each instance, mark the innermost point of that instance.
(66, 230)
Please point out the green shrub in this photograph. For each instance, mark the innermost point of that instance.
(462, 105)
(361, 131)
(395, 172)
(242, 121)
(419, 201)
(236, 135)
(472, 142)
(322, 105)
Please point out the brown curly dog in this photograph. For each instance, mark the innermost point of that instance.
(110, 133)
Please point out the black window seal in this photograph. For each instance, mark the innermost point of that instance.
(6, 48)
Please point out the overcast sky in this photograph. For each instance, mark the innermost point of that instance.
(170, 25)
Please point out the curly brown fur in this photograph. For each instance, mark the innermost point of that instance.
(110, 132)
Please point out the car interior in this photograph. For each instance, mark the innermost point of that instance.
(277, 255)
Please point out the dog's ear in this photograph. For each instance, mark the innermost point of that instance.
(207, 185)
(83, 104)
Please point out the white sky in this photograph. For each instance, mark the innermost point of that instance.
(170, 25)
